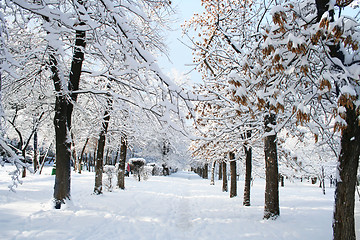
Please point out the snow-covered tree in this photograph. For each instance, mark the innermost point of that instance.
(315, 52)
(114, 40)
(8, 74)
(228, 32)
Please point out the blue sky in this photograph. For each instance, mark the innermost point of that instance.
(179, 54)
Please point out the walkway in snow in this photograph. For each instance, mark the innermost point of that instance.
(180, 206)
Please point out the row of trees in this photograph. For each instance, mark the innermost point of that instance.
(89, 66)
(280, 68)
(269, 68)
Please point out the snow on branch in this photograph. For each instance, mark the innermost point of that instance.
(15, 160)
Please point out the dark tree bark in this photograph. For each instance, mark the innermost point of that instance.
(248, 166)
(117, 156)
(82, 154)
(62, 145)
(76, 67)
(344, 222)
(122, 161)
(63, 114)
(225, 181)
(21, 141)
(73, 152)
(212, 181)
(206, 171)
(92, 158)
(233, 183)
(282, 184)
(271, 209)
(24, 168)
(100, 150)
(322, 6)
(348, 161)
(107, 160)
(220, 171)
(35, 159)
(93, 161)
(322, 180)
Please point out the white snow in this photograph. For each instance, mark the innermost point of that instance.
(347, 89)
(180, 206)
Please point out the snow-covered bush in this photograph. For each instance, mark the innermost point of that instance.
(146, 172)
(156, 170)
(137, 167)
(109, 171)
(140, 169)
(137, 161)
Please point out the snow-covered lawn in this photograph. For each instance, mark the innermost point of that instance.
(180, 206)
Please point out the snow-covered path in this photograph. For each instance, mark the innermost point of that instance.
(181, 206)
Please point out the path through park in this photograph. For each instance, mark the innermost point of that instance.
(180, 206)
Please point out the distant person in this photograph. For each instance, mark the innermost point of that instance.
(127, 172)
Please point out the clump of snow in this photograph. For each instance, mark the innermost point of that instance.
(339, 120)
(347, 89)
(276, 9)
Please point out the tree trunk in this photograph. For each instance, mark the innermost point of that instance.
(87, 160)
(205, 171)
(94, 159)
(35, 159)
(282, 184)
(117, 156)
(224, 175)
(76, 67)
(344, 223)
(73, 152)
(248, 166)
(44, 159)
(62, 145)
(100, 151)
(212, 181)
(220, 171)
(323, 180)
(233, 183)
(63, 154)
(63, 114)
(271, 209)
(82, 154)
(122, 161)
(23, 172)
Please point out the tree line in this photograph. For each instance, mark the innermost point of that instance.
(277, 71)
(272, 71)
(88, 66)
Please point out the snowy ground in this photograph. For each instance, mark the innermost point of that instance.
(181, 206)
